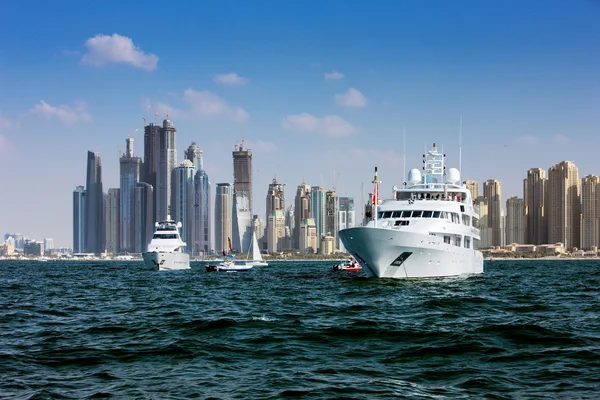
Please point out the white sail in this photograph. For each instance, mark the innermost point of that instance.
(256, 256)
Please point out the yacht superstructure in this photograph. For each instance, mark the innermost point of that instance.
(429, 228)
(165, 250)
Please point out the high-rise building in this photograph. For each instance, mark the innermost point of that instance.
(242, 198)
(130, 175)
(301, 211)
(166, 163)
(48, 244)
(318, 210)
(275, 231)
(473, 187)
(111, 216)
(275, 197)
(143, 226)
(331, 216)
(492, 190)
(183, 206)
(485, 230)
(94, 206)
(534, 190)
(223, 217)
(308, 236)
(201, 242)
(151, 143)
(590, 212)
(79, 219)
(515, 220)
(259, 231)
(346, 218)
(564, 206)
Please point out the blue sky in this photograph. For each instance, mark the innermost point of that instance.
(318, 90)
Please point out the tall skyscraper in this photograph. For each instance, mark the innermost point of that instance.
(301, 210)
(308, 236)
(143, 226)
(275, 231)
(223, 217)
(318, 210)
(492, 190)
(564, 207)
(331, 215)
(485, 230)
(151, 143)
(183, 206)
(346, 218)
(111, 216)
(534, 190)
(473, 187)
(515, 221)
(94, 206)
(275, 197)
(130, 175)
(166, 163)
(79, 219)
(242, 172)
(590, 212)
(201, 241)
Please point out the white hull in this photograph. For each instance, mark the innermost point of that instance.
(166, 261)
(394, 253)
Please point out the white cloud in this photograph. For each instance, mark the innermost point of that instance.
(203, 104)
(64, 113)
(334, 75)
(230, 79)
(261, 146)
(352, 98)
(330, 125)
(104, 49)
(560, 139)
(528, 139)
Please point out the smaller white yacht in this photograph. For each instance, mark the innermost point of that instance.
(165, 250)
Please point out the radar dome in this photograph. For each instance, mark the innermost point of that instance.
(453, 176)
(414, 176)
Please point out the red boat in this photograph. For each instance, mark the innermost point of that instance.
(350, 265)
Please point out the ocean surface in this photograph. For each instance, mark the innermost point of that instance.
(83, 330)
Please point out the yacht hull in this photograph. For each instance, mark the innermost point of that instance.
(166, 261)
(394, 253)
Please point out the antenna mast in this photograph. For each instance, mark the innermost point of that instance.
(404, 177)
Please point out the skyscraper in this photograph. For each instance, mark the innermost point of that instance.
(515, 221)
(485, 230)
(564, 207)
(79, 219)
(534, 190)
(331, 216)
(183, 205)
(473, 187)
(590, 212)
(166, 163)
(275, 205)
(143, 225)
(318, 210)
(130, 175)
(301, 211)
(223, 217)
(492, 191)
(346, 218)
(111, 216)
(201, 242)
(94, 206)
(150, 164)
(242, 172)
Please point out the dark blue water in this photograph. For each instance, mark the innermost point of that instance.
(524, 329)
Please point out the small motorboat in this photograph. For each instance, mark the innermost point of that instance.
(350, 265)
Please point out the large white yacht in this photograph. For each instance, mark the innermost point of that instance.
(428, 229)
(165, 250)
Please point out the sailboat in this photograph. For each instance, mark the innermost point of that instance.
(230, 264)
(257, 259)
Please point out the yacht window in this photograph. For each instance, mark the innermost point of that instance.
(447, 239)
(417, 214)
(165, 236)
(166, 228)
(475, 222)
(467, 242)
(387, 214)
(427, 214)
(436, 214)
(465, 219)
(457, 241)
(380, 214)
(475, 243)
(455, 218)
(406, 214)
(396, 214)
(401, 223)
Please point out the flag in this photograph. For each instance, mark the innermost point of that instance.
(376, 195)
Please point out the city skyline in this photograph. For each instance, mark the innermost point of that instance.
(308, 88)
